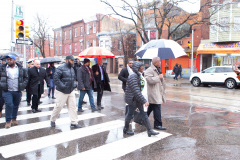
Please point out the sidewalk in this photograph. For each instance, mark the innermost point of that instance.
(169, 81)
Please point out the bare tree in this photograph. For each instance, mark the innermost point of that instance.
(41, 30)
(165, 16)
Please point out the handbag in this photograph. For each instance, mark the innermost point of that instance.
(138, 117)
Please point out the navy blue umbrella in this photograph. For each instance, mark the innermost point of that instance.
(165, 49)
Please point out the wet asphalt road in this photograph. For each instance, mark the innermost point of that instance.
(202, 123)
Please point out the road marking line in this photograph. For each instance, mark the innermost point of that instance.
(45, 124)
(43, 142)
(36, 115)
(29, 107)
(119, 148)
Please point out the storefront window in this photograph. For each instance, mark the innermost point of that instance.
(226, 60)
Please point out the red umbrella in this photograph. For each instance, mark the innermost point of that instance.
(96, 52)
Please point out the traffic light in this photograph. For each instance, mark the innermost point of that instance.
(26, 31)
(19, 28)
(189, 44)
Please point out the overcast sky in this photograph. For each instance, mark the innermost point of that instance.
(59, 12)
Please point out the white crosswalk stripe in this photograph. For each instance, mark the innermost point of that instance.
(37, 115)
(30, 145)
(114, 141)
(120, 147)
(44, 124)
(39, 107)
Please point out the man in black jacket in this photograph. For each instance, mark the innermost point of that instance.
(135, 99)
(14, 79)
(85, 84)
(1, 98)
(65, 81)
(50, 72)
(36, 75)
(28, 91)
(102, 80)
(77, 65)
(123, 75)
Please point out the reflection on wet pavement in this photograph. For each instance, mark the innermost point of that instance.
(204, 123)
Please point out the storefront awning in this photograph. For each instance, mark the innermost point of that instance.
(213, 48)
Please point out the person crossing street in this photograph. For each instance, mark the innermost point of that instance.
(14, 79)
(37, 75)
(102, 80)
(65, 80)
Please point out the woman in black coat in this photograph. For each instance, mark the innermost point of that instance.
(135, 99)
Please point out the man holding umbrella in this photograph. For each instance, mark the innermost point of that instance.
(102, 80)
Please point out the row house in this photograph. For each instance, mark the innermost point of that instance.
(223, 46)
(201, 32)
(73, 38)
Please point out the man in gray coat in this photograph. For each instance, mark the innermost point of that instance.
(86, 84)
(156, 91)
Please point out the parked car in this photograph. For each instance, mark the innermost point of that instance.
(218, 75)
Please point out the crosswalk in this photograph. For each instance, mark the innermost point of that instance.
(96, 125)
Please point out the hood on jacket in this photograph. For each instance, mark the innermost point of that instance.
(136, 65)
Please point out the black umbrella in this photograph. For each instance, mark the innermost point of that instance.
(50, 60)
(16, 54)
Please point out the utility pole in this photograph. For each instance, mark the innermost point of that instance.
(192, 54)
(12, 25)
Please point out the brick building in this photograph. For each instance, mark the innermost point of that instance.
(73, 38)
(201, 31)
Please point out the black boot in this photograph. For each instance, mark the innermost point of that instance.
(126, 128)
(150, 131)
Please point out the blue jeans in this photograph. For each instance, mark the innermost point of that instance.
(176, 75)
(52, 87)
(12, 100)
(90, 95)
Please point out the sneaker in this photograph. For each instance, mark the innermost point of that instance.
(53, 98)
(53, 124)
(29, 104)
(75, 126)
(8, 125)
(94, 109)
(14, 122)
(49, 96)
(80, 110)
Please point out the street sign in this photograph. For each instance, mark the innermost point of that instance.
(21, 41)
(39, 53)
(36, 49)
(18, 12)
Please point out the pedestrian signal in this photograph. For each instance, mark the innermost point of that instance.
(189, 44)
(19, 29)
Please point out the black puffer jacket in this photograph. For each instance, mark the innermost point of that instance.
(133, 95)
(22, 79)
(64, 79)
